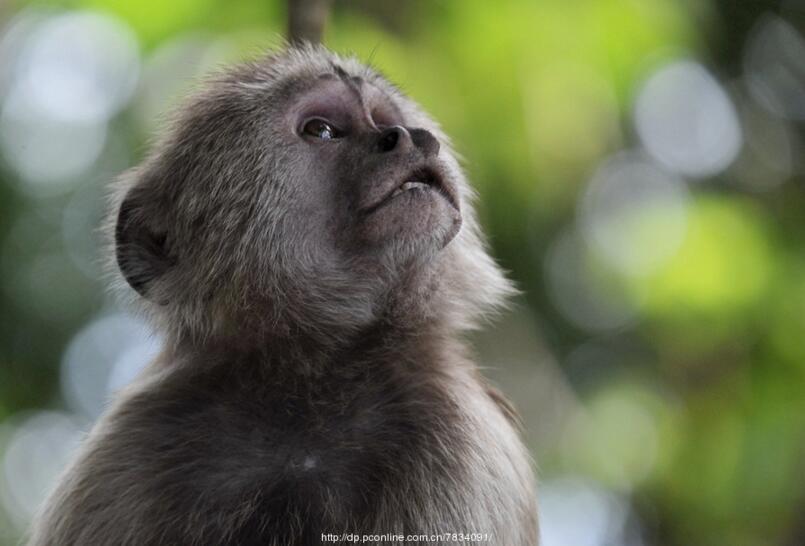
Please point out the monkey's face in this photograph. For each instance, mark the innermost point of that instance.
(302, 193)
(372, 183)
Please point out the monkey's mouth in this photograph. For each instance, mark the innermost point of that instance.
(423, 179)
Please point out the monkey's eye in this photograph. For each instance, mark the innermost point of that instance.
(319, 128)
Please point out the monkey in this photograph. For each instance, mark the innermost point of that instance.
(303, 237)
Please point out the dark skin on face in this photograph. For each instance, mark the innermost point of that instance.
(386, 178)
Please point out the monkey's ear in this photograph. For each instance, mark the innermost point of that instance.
(140, 248)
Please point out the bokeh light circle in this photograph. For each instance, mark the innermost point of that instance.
(37, 451)
(103, 357)
(80, 66)
(634, 213)
(687, 121)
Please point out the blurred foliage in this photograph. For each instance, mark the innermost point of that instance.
(692, 406)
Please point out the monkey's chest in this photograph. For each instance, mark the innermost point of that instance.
(328, 464)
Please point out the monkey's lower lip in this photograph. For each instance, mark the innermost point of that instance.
(423, 179)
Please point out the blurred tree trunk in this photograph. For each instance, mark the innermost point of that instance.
(306, 20)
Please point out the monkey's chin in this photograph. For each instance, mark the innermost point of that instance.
(421, 217)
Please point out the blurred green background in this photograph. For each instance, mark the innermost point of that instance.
(641, 175)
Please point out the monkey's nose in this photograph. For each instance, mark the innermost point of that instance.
(397, 137)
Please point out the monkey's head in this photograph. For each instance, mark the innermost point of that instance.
(303, 195)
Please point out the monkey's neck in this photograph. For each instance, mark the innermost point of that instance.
(377, 343)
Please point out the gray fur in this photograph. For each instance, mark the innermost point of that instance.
(314, 379)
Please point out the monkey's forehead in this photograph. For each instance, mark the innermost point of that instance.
(308, 63)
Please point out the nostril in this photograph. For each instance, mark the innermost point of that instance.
(389, 138)
(425, 141)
